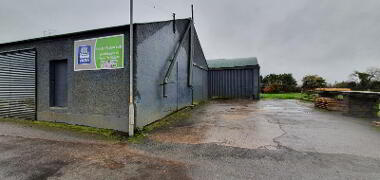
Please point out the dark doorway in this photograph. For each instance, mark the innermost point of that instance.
(58, 83)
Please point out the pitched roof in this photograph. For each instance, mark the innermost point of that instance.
(120, 27)
(231, 63)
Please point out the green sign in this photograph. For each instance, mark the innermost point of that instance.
(99, 53)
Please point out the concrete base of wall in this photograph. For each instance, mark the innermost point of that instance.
(119, 123)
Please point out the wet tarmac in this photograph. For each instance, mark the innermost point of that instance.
(228, 139)
(272, 124)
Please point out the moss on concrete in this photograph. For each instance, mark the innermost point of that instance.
(165, 122)
(197, 103)
(169, 120)
(221, 98)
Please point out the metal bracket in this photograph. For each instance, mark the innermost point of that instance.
(173, 58)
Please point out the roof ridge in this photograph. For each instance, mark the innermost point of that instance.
(252, 57)
(230, 63)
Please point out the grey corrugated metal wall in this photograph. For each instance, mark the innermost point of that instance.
(18, 84)
(234, 83)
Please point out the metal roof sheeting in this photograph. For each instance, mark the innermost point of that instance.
(232, 63)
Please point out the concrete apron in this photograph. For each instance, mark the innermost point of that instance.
(228, 123)
(274, 125)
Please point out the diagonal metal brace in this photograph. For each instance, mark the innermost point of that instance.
(173, 59)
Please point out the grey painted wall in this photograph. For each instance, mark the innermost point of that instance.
(200, 84)
(199, 57)
(155, 46)
(95, 98)
(100, 98)
(200, 73)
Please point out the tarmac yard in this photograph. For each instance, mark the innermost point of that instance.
(223, 139)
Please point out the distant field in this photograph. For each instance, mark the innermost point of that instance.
(299, 96)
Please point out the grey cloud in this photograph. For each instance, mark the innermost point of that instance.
(330, 38)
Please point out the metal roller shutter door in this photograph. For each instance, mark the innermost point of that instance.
(18, 84)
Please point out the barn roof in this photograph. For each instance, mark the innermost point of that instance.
(68, 34)
(232, 63)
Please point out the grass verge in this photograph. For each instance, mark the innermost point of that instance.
(299, 96)
(106, 134)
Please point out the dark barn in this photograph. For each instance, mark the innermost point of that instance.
(234, 78)
(83, 78)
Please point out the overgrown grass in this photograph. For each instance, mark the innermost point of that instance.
(106, 134)
(299, 96)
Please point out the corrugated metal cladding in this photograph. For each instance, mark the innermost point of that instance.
(18, 84)
(234, 83)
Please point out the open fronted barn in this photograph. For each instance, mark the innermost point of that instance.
(234, 78)
(83, 78)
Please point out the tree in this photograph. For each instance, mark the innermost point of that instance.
(374, 72)
(374, 86)
(279, 83)
(312, 82)
(346, 84)
(363, 78)
(289, 84)
(368, 79)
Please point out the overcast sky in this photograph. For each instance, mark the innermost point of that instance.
(331, 38)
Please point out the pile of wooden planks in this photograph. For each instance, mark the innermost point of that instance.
(330, 104)
(332, 89)
(376, 123)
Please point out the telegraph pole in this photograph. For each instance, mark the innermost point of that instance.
(131, 103)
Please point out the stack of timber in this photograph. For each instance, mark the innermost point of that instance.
(332, 89)
(327, 103)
